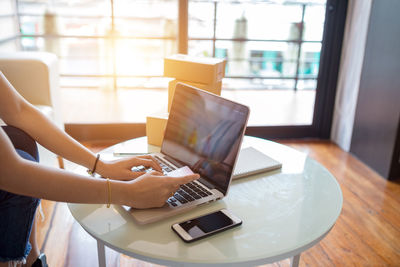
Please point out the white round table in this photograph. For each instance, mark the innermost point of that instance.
(284, 212)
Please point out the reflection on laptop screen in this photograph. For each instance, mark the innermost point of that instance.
(204, 131)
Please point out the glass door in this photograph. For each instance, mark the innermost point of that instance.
(275, 62)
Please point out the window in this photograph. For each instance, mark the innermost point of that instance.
(102, 44)
(274, 49)
(9, 29)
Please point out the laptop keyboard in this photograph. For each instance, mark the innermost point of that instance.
(165, 166)
(187, 192)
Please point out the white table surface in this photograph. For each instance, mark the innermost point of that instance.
(284, 212)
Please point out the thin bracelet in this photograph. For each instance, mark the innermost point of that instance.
(109, 192)
(91, 172)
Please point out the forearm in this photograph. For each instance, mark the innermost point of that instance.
(16, 111)
(24, 177)
(28, 178)
(46, 133)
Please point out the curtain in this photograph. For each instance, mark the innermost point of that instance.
(350, 71)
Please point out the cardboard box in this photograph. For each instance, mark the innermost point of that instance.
(155, 128)
(205, 70)
(212, 88)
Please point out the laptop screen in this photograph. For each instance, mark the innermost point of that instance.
(204, 132)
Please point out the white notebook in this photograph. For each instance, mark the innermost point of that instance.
(251, 161)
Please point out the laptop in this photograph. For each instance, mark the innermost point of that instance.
(204, 132)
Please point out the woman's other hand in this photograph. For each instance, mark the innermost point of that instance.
(121, 169)
(152, 189)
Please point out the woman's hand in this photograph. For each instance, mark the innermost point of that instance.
(121, 169)
(152, 189)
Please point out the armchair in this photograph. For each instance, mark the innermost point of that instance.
(35, 76)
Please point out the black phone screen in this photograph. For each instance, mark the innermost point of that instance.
(206, 224)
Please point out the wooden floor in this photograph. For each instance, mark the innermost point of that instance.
(367, 232)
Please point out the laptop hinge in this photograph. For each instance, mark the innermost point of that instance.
(201, 180)
(206, 183)
(173, 161)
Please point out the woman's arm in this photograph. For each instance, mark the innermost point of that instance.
(24, 177)
(16, 111)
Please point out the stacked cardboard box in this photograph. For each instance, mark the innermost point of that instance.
(200, 72)
(214, 88)
(203, 73)
(155, 127)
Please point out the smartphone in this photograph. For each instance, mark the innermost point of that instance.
(206, 225)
